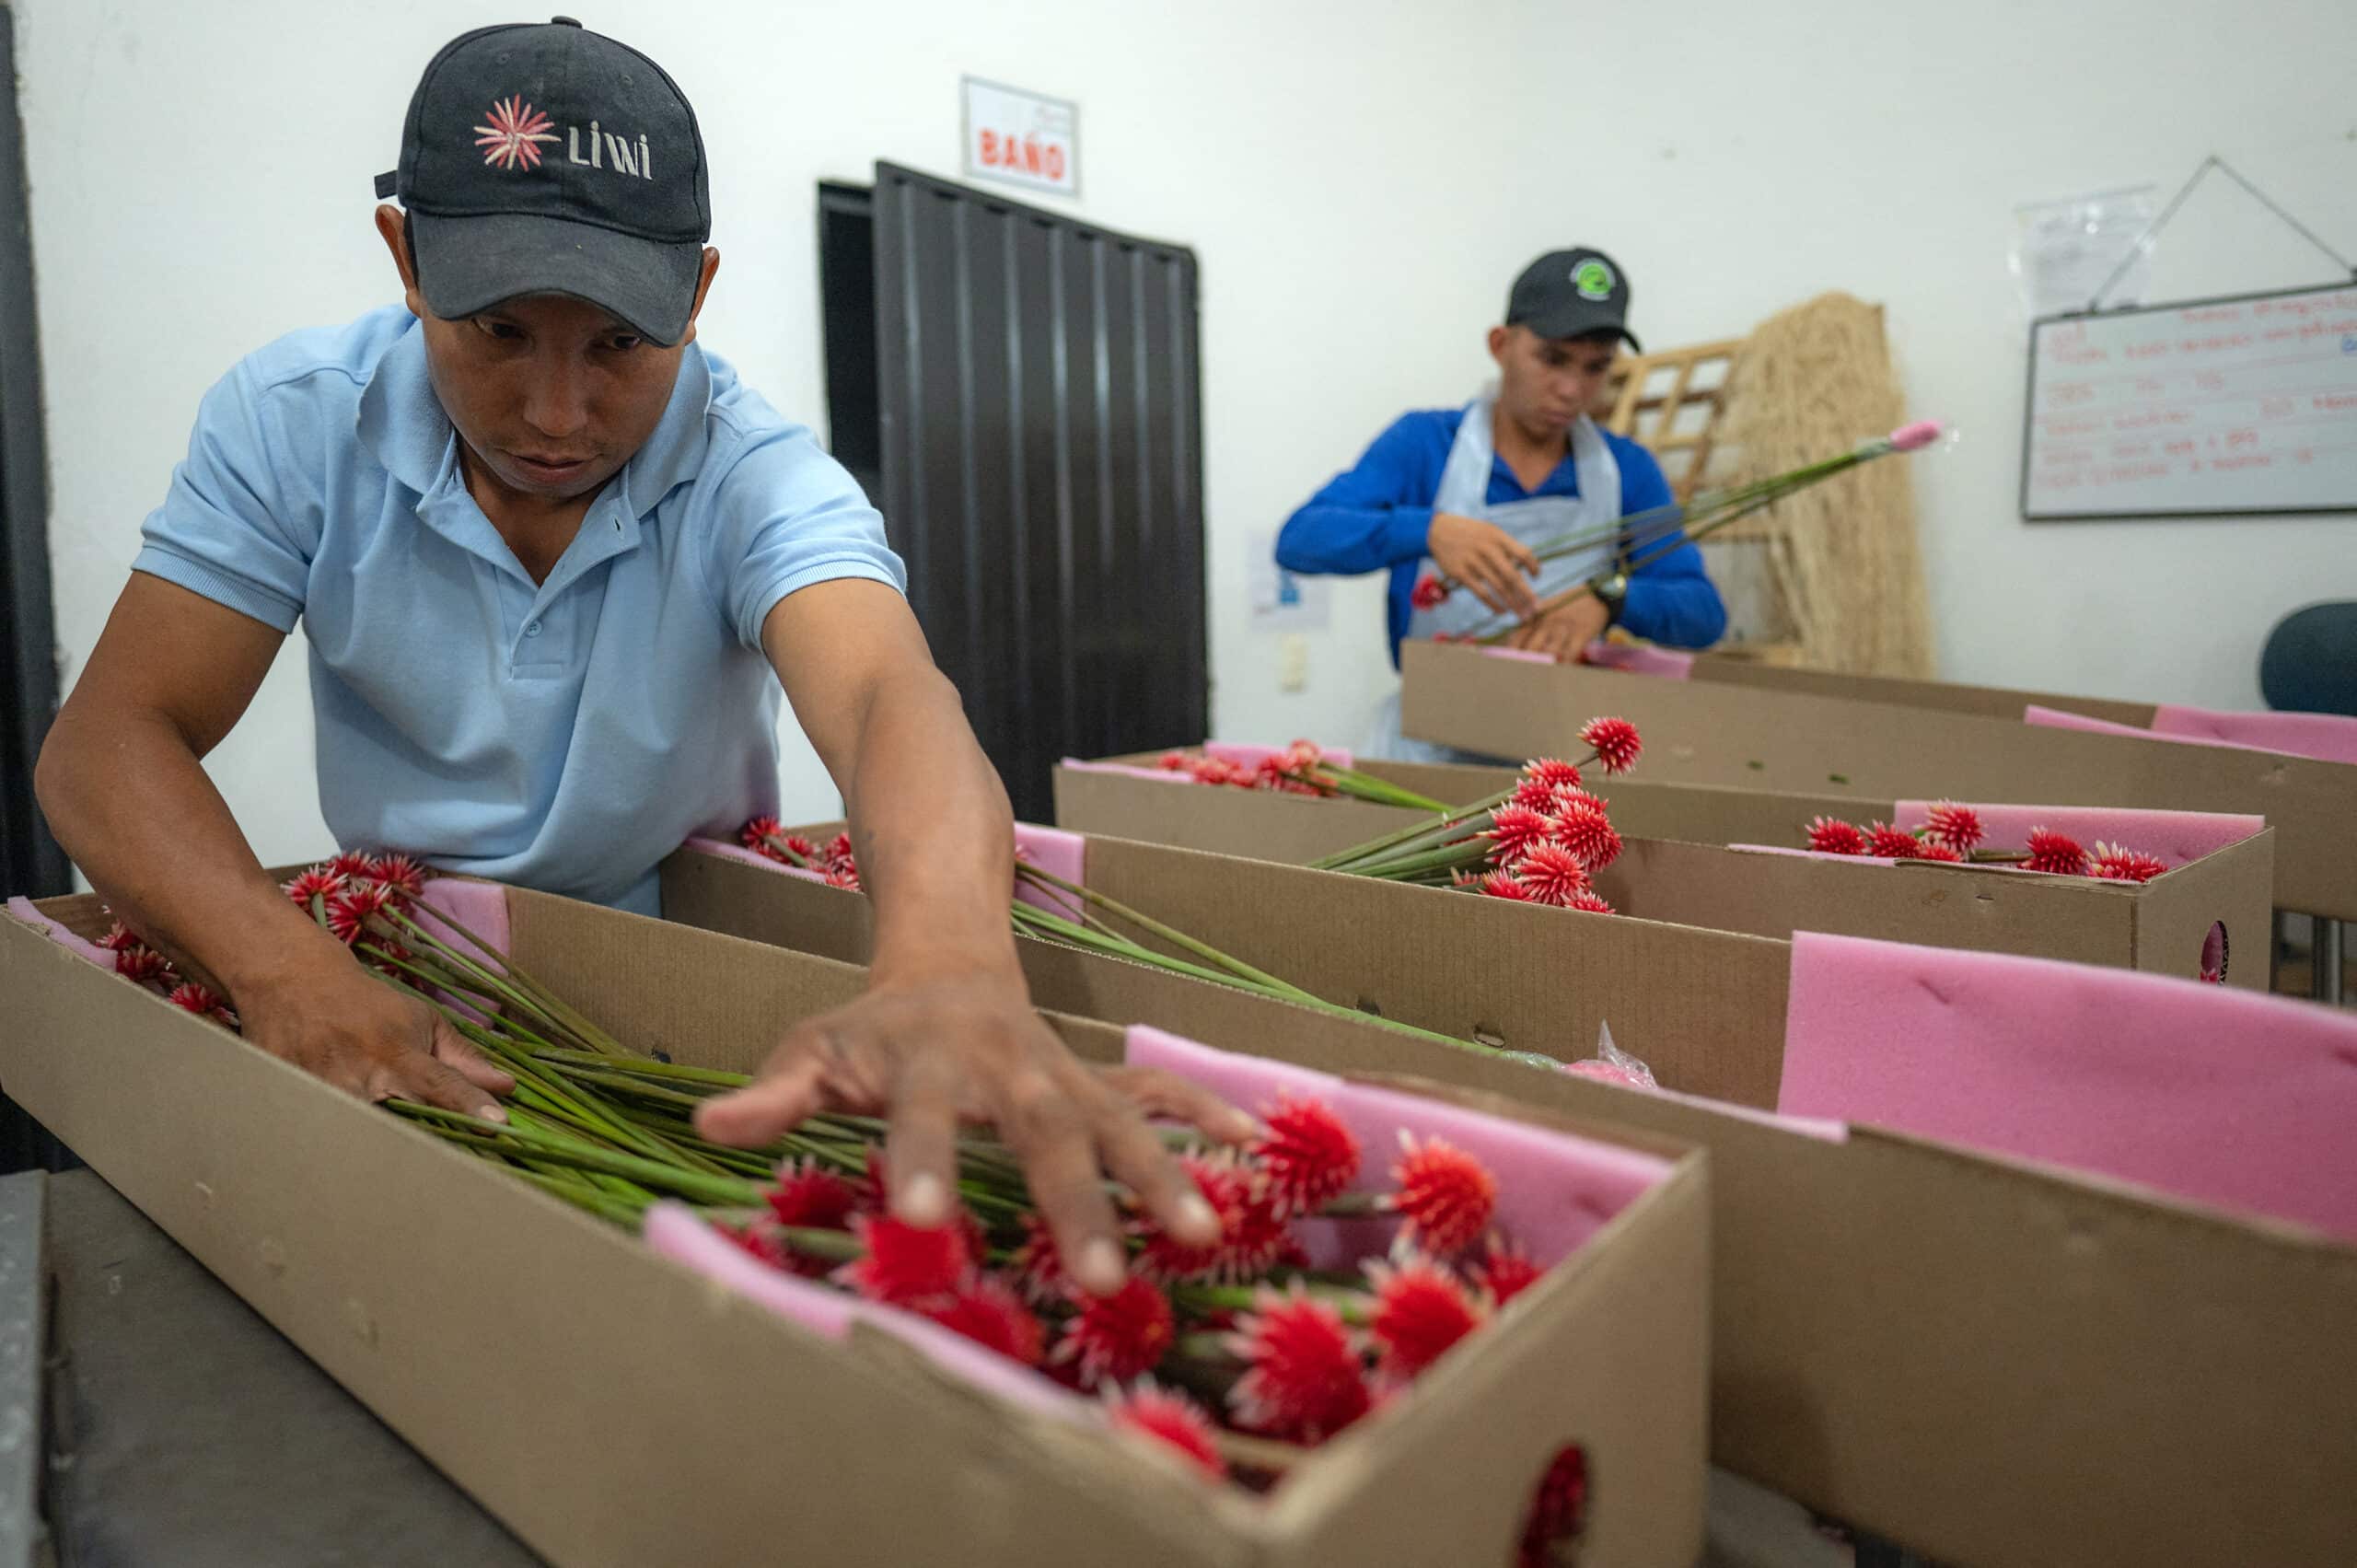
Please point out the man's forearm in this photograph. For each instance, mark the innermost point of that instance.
(130, 802)
(933, 832)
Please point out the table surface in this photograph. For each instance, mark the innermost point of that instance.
(187, 1432)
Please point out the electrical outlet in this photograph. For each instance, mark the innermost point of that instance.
(1293, 662)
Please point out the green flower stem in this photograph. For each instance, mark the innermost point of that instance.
(1035, 875)
(548, 1003)
(696, 1185)
(646, 1067)
(1448, 857)
(1420, 835)
(1366, 786)
(1354, 1305)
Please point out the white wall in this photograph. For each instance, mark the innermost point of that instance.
(1360, 181)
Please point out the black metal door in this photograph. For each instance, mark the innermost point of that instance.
(1043, 471)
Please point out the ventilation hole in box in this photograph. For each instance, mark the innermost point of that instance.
(1368, 1004)
(1557, 1509)
(1483, 1034)
(2213, 953)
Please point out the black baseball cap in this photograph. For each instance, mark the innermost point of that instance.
(545, 158)
(1571, 294)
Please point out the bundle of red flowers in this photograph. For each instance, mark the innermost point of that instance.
(1302, 767)
(1542, 842)
(1203, 1343)
(1953, 833)
(1236, 1353)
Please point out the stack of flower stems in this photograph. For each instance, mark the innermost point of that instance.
(1644, 538)
(1093, 926)
(1334, 779)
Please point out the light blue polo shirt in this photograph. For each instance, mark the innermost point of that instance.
(564, 735)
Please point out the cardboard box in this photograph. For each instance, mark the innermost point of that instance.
(1985, 1361)
(614, 1408)
(1675, 868)
(1721, 733)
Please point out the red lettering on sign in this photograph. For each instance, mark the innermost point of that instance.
(1030, 154)
(1055, 162)
(990, 147)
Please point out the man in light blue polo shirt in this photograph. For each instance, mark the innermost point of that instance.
(552, 560)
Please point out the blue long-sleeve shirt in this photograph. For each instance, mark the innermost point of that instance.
(1376, 517)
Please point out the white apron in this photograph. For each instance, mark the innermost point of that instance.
(1464, 490)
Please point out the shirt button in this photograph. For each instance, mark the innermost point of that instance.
(531, 628)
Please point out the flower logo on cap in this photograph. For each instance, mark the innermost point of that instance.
(512, 139)
(1594, 279)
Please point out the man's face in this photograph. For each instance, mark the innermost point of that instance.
(1544, 384)
(553, 395)
(550, 394)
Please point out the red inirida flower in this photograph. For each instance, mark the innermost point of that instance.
(2117, 863)
(1616, 743)
(844, 877)
(319, 882)
(1893, 844)
(1505, 1272)
(1560, 1511)
(1114, 1337)
(1428, 594)
(402, 873)
(905, 1263)
(1933, 850)
(757, 832)
(1507, 885)
(1172, 761)
(1419, 1311)
(986, 1310)
(1553, 873)
(839, 852)
(1830, 835)
(142, 963)
(1039, 1267)
(2056, 854)
(352, 864)
(1172, 1420)
(758, 1243)
(119, 938)
(1511, 830)
(1588, 900)
(1552, 772)
(1537, 794)
(1302, 1379)
(1585, 831)
(810, 1197)
(350, 911)
(1958, 827)
(203, 1002)
(1304, 755)
(1251, 1236)
(1307, 1157)
(1444, 1194)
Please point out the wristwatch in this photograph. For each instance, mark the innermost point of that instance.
(1611, 591)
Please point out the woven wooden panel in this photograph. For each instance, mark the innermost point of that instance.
(1672, 403)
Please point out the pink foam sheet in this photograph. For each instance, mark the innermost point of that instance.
(2055, 718)
(1059, 854)
(726, 851)
(2328, 738)
(22, 910)
(1640, 659)
(1554, 1190)
(679, 1232)
(2230, 1097)
(2177, 837)
(1249, 756)
(1127, 770)
(1525, 655)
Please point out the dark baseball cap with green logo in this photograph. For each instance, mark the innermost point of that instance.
(545, 158)
(1571, 294)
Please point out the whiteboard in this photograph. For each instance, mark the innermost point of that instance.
(2217, 406)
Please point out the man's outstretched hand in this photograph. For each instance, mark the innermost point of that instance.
(931, 1053)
